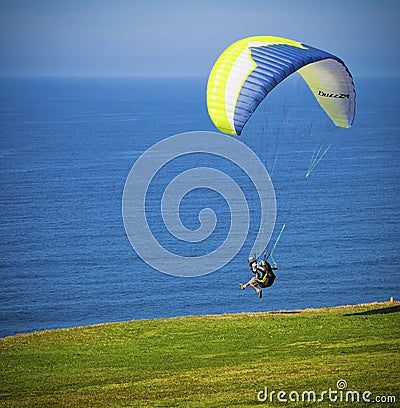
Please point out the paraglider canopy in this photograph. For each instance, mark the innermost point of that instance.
(249, 69)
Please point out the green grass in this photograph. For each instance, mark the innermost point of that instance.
(210, 361)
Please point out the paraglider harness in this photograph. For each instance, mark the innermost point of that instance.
(266, 278)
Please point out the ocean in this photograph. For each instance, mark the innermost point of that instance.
(67, 146)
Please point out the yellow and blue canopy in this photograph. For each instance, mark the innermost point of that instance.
(250, 68)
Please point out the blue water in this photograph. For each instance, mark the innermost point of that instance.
(67, 146)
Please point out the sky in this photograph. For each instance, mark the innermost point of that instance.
(184, 38)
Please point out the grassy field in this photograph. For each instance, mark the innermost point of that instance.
(210, 361)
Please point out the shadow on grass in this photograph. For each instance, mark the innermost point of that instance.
(385, 310)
